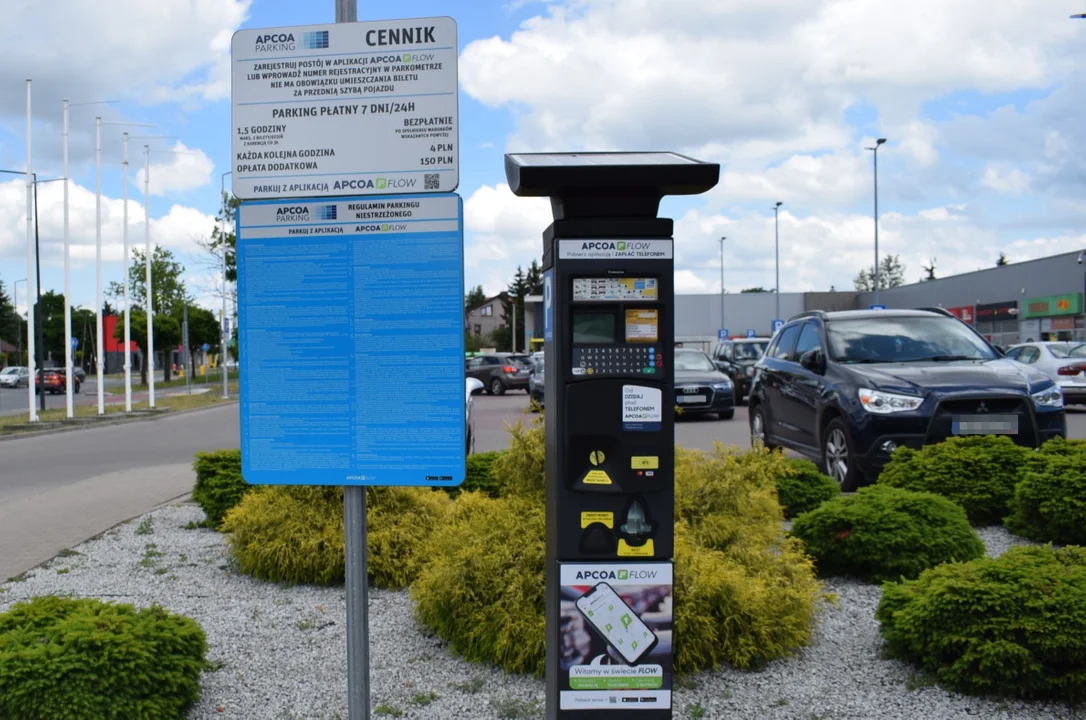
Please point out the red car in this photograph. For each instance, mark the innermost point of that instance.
(53, 382)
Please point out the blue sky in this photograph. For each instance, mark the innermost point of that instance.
(982, 105)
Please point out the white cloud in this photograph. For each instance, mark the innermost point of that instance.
(178, 170)
(177, 229)
(1011, 181)
(503, 231)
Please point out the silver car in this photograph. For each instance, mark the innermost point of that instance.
(1064, 362)
(14, 376)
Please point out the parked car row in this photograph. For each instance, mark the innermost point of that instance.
(16, 376)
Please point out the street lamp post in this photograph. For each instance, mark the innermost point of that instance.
(777, 251)
(875, 153)
(30, 261)
(222, 320)
(722, 239)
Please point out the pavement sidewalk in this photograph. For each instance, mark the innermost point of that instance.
(37, 527)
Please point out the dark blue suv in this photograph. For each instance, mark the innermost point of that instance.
(848, 388)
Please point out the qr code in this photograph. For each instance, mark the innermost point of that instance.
(431, 181)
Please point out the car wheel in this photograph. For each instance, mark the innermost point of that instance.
(758, 429)
(496, 387)
(727, 414)
(838, 457)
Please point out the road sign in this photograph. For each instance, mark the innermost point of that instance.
(75, 343)
(722, 334)
(345, 109)
(206, 347)
(351, 308)
(777, 325)
(876, 307)
(751, 333)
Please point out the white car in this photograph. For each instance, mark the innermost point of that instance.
(1064, 362)
(471, 386)
(14, 376)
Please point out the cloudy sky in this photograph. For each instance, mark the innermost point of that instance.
(983, 103)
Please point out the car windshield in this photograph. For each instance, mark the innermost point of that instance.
(693, 362)
(904, 339)
(9, 371)
(749, 351)
(1067, 350)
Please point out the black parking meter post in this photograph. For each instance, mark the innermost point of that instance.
(609, 327)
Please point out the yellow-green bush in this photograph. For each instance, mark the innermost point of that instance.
(749, 597)
(83, 659)
(295, 533)
(519, 470)
(482, 591)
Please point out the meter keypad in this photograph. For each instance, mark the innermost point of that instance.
(630, 360)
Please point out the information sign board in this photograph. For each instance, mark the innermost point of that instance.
(344, 109)
(351, 333)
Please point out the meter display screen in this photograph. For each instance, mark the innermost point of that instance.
(609, 289)
(591, 327)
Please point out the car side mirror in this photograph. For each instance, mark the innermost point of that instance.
(813, 360)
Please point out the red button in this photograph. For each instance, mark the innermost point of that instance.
(659, 364)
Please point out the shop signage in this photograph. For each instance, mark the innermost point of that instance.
(996, 311)
(1063, 323)
(964, 313)
(1069, 304)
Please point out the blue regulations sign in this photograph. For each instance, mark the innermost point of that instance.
(359, 302)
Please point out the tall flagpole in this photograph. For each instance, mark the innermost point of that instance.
(127, 307)
(99, 358)
(148, 300)
(69, 367)
(32, 386)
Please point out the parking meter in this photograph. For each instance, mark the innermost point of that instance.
(609, 328)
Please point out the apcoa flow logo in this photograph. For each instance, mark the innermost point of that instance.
(618, 574)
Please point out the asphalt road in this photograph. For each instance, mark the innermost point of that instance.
(492, 414)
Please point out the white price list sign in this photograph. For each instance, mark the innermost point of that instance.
(365, 108)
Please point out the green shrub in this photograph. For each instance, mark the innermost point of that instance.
(65, 659)
(748, 599)
(482, 591)
(295, 533)
(885, 533)
(979, 473)
(219, 485)
(519, 470)
(803, 487)
(1050, 501)
(1015, 625)
(479, 475)
(1060, 446)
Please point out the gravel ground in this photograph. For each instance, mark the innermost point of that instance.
(281, 653)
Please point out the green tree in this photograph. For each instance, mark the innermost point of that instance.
(1002, 260)
(11, 325)
(534, 278)
(223, 232)
(930, 270)
(168, 298)
(51, 308)
(203, 329)
(475, 296)
(758, 289)
(167, 336)
(513, 306)
(891, 275)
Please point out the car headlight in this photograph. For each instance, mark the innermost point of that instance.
(722, 386)
(1049, 397)
(883, 403)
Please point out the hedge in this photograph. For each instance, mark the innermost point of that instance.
(1049, 502)
(67, 659)
(1015, 625)
(886, 533)
(802, 487)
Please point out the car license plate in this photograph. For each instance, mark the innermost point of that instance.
(691, 398)
(985, 425)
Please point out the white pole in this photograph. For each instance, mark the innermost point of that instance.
(99, 358)
(222, 321)
(70, 377)
(127, 308)
(147, 262)
(30, 283)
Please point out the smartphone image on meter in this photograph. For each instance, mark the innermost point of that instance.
(616, 623)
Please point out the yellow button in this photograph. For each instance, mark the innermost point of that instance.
(645, 463)
(597, 477)
(604, 518)
(626, 550)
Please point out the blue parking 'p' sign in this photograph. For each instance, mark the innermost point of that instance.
(206, 347)
(722, 334)
(751, 333)
(75, 343)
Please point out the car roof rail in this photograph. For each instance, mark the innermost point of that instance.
(940, 310)
(808, 313)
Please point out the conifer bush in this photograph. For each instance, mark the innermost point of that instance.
(219, 485)
(294, 534)
(886, 533)
(1015, 625)
(479, 475)
(1049, 502)
(84, 659)
(802, 487)
(979, 473)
